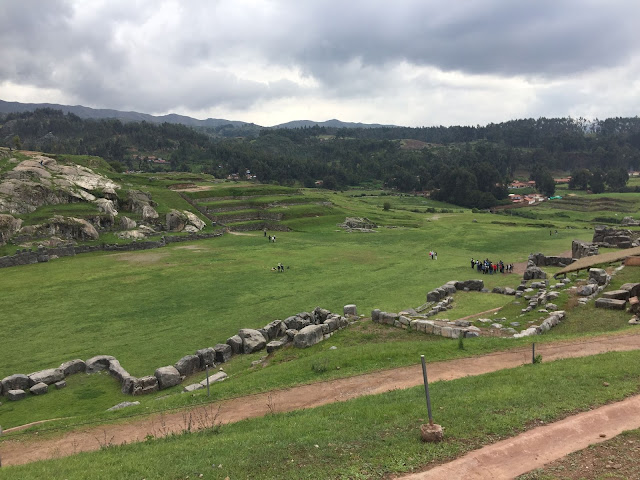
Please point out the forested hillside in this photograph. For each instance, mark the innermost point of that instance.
(468, 166)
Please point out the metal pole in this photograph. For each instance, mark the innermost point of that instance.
(426, 388)
(533, 352)
(207, 379)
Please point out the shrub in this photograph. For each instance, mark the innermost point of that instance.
(386, 206)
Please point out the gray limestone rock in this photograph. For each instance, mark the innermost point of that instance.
(223, 352)
(252, 340)
(97, 363)
(61, 384)
(207, 356)
(72, 366)
(39, 388)
(167, 377)
(15, 395)
(193, 387)
(188, 365)
(216, 377)
(17, 381)
(611, 304)
(122, 405)
(274, 345)
(49, 376)
(308, 336)
(350, 310)
(235, 343)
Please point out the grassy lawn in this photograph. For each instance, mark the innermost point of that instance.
(369, 437)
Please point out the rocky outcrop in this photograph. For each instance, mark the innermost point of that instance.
(630, 222)
(177, 221)
(59, 226)
(533, 272)
(127, 224)
(614, 238)
(8, 227)
(541, 260)
(358, 224)
(583, 249)
(107, 206)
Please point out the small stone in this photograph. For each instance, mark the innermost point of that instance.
(602, 435)
(605, 384)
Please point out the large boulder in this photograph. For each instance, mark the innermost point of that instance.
(17, 381)
(252, 340)
(193, 220)
(207, 356)
(309, 335)
(599, 275)
(167, 377)
(49, 376)
(39, 388)
(235, 342)
(176, 221)
(188, 365)
(117, 370)
(8, 226)
(533, 272)
(73, 366)
(473, 285)
(97, 363)
(144, 385)
(15, 395)
(127, 223)
(223, 352)
(106, 206)
(149, 214)
(59, 226)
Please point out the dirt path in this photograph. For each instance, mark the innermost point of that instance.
(530, 450)
(14, 452)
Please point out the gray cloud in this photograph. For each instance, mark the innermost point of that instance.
(158, 56)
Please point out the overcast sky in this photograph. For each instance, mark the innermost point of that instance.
(402, 62)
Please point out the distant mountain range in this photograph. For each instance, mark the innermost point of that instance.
(100, 113)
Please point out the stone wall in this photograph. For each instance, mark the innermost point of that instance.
(44, 254)
(301, 330)
(615, 238)
(250, 227)
(540, 260)
(583, 249)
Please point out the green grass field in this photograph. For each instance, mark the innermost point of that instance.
(150, 308)
(369, 437)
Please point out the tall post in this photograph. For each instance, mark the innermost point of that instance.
(426, 388)
(533, 352)
(207, 379)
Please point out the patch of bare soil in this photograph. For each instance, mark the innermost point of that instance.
(240, 233)
(30, 449)
(196, 248)
(148, 257)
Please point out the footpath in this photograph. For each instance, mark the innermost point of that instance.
(24, 450)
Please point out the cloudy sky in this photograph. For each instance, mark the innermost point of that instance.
(406, 62)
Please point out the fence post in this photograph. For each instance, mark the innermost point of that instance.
(533, 352)
(207, 379)
(426, 388)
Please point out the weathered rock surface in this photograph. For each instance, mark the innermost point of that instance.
(216, 377)
(252, 340)
(235, 342)
(39, 388)
(72, 366)
(616, 294)
(122, 405)
(167, 377)
(188, 364)
(97, 363)
(611, 304)
(15, 395)
(223, 352)
(308, 336)
(17, 381)
(127, 223)
(207, 356)
(49, 376)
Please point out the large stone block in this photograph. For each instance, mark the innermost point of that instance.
(632, 288)
(97, 363)
(188, 365)
(309, 335)
(207, 356)
(473, 285)
(350, 310)
(235, 343)
(39, 389)
(611, 304)
(252, 340)
(216, 377)
(17, 381)
(274, 345)
(117, 370)
(223, 352)
(375, 315)
(144, 385)
(167, 377)
(15, 395)
(72, 366)
(616, 294)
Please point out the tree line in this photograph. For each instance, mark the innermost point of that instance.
(465, 165)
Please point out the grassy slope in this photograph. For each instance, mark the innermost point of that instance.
(369, 437)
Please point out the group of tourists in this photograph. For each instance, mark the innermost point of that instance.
(433, 255)
(488, 267)
(280, 268)
(272, 238)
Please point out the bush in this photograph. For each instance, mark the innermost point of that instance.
(386, 206)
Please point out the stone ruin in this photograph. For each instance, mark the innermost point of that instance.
(583, 249)
(540, 260)
(630, 222)
(605, 236)
(301, 330)
(358, 224)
